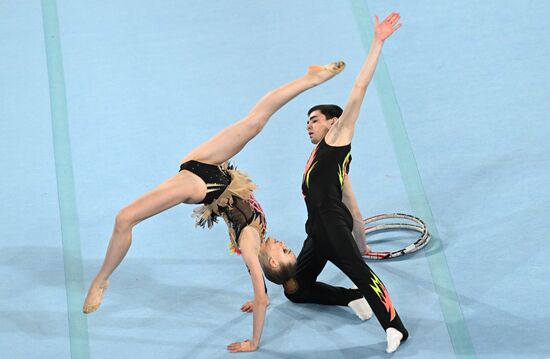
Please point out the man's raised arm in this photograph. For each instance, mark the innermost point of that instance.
(342, 132)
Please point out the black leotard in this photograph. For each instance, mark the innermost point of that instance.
(237, 206)
(242, 213)
(216, 178)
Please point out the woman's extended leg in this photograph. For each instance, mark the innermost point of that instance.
(183, 187)
(232, 139)
(341, 250)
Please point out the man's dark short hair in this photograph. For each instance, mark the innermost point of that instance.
(329, 111)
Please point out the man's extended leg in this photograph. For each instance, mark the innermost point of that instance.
(341, 250)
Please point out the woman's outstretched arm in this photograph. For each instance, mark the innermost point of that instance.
(249, 243)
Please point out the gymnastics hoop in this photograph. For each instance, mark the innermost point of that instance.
(419, 226)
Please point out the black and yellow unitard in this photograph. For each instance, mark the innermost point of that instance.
(329, 229)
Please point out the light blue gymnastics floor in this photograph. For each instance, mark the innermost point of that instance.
(100, 101)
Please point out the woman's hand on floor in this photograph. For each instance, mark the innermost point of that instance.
(246, 346)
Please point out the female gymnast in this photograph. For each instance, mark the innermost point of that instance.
(332, 208)
(205, 178)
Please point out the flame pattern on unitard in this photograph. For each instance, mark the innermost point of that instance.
(383, 294)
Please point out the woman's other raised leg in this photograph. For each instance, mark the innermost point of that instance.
(184, 187)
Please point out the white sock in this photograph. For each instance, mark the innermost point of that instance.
(361, 308)
(393, 337)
